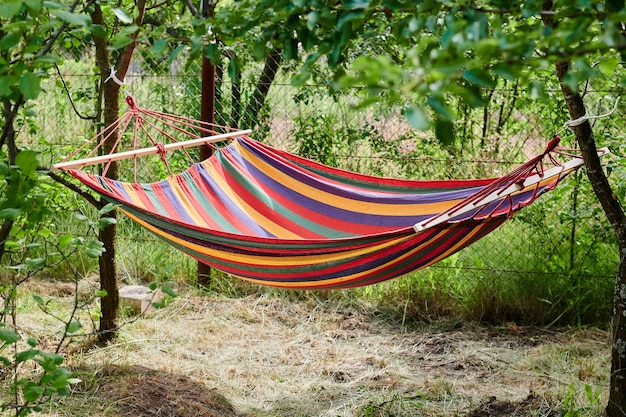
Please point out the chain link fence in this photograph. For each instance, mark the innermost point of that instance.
(563, 237)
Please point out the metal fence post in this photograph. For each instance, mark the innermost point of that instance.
(207, 114)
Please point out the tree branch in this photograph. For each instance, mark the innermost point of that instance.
(123, 60)
(192, 9)
(87, 196)
(272, 63)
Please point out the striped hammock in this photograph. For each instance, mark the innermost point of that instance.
(273, 218)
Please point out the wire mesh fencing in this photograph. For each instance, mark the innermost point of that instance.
(563, 237)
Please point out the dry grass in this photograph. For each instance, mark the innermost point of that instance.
(263, 356)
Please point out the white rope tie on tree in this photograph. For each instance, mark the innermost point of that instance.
(583, 119)
(113, 76)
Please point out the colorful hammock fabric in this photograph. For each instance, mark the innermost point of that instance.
(277, 219)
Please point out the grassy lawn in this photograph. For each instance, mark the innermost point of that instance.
(323, 355)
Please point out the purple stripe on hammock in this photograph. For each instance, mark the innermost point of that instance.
(366, 195)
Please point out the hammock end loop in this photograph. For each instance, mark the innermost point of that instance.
(130, 100)
(554, 142)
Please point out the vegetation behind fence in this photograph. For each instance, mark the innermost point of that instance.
(554, 261)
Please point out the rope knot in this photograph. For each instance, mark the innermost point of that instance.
(163, 155)
(554, 142)
(130, 100)
(160, 150)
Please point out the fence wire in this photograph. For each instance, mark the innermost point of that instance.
(565, 229)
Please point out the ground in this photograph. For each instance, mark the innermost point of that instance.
(261, 356)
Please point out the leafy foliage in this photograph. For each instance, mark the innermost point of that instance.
(32, 247)
(425, 55)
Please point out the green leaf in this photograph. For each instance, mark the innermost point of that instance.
(49, 4)
(39, 300)
(26, 355)
(300, 78)
(487, 47)
(169, 291)
(9, 336)
(129, 30)
(123, 16)
(60, 382)
(10, 40)
(347, 18)
(158, 47)
(101, 293)
(608, 65)
(444, 131)
(312, 18)
(35, 263)
(174, 54)
(479, 77)
(5, 361)
(259, 50)
(74, 326)
(10, 213)
(92, 252)
(32, 391)
(471, 94)
(30, 85)
(356, 4)
(65, 240)
(78, 19)
(104, 222)
(212, 52)
(34, 5)
(233, 69)
(7, 82)
(440, 109)
(537, 90)
(27, 161)
(119, 41)
(52, 358)
(48, 59)
(10, 8)
(97, 31)
(532, 8)
(417, 117)
(505, 71)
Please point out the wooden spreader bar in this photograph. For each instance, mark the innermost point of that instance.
(95, 160)
(531, 180)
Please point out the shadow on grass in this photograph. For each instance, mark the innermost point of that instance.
(141, 391)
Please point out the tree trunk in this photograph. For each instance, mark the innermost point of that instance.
(614, 213)
(272, 62)
(108, 271)
(111, 92)
(8, 137)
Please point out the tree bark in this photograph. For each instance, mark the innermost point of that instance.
(109, 306)
(615, 214)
